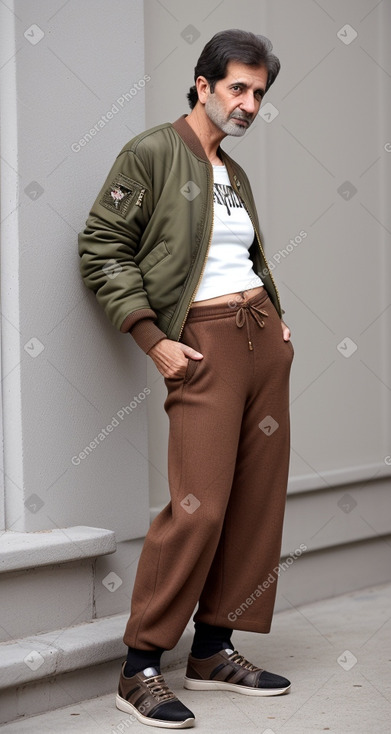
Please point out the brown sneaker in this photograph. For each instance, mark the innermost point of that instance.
(147, 696)
(229, 671)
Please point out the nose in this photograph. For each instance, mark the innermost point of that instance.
(249, 104)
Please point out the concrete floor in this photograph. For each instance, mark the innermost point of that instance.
(336, 653)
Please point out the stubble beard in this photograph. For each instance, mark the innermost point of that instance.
(217, 115)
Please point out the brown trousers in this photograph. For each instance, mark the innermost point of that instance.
(219, 539)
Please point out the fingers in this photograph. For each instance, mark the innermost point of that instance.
(190, 352)
(286, 332)
(171, 358)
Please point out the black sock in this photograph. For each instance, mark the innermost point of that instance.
(138, 660)
(209, 639)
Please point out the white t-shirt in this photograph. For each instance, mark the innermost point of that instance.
(228, 268)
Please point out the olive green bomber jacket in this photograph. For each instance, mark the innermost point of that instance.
(147, 236)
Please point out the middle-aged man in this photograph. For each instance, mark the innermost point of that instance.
(173, 252)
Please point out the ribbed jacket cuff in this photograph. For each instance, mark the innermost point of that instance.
(146, 334)
(142, 327)
(132, 318)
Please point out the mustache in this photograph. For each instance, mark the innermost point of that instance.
(241, 116)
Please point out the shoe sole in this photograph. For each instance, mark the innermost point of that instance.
(128, 708)
(217, 685)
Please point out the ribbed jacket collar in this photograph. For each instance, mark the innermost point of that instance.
(189, 137)
(193, 142)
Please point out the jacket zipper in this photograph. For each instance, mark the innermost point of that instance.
(258, 240)
(203, 267)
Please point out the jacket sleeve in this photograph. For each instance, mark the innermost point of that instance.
(108, 246)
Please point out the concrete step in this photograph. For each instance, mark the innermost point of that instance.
(43, 599)
(46, 671)
(47, 579)
(47, 610)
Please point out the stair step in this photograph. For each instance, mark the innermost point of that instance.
(62, 650)
(47, 547)
(46, 671)
(47, 579)
(46, 598)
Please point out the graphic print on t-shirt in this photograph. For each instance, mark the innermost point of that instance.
(226, 196)
(229, 267)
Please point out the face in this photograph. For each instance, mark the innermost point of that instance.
(236, 99)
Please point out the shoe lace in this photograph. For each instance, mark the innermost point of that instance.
(240, 660)
(159, 689)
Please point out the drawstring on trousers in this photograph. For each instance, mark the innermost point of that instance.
(243, 317)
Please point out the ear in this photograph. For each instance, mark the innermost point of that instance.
(203, 89)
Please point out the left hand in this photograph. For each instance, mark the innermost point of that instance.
(286, 332)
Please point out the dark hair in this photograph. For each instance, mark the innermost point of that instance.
(233, 45)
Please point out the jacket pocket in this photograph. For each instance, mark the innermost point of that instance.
(122, 193)
(159, 252)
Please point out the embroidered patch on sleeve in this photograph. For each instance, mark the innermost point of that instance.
(122, 192)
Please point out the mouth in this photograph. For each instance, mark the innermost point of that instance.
(241, 121)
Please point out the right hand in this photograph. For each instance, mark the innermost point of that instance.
(172, 357)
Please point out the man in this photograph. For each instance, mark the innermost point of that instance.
(173, 253)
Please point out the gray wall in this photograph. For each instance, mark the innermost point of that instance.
(66, 373)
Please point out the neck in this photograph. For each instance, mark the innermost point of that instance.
(209, 135)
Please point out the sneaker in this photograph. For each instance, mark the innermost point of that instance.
(147, 696)
(229, 671)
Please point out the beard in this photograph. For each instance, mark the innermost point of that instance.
(216, 113)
